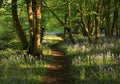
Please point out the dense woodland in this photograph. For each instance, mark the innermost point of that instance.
(85, 27)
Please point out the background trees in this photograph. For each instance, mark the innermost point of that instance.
(92, 18)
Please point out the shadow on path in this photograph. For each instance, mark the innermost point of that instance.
(58, 71)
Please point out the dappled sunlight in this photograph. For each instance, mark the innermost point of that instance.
(52, 37)
(94, 63)
(58, 69)
(59, 42)
(19, 71)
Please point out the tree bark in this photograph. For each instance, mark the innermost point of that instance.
(18, 26)
(107, 17)
(37, 29)
(115, 17)
(34, 15)
(97, 22)
(85, 24)
(69, 22)
(31, 24)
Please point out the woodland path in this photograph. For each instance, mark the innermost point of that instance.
(58, 71)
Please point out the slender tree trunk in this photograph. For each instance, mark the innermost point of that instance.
(30, 12)
(69, 23)
(18, 26)
(107, 17)
(97, 21)
(30, 17)
(65, 32)
(117, 21)
(90, 24)
(37, 29)
(85, 25)
(115, 17)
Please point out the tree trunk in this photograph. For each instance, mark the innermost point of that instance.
(18, 26)
(115, 17)
(69, 23)
(30, 11)
(97, 22)
(34, 15)
(65, 32)
(37, 29)
(107, 17)
(85, 25)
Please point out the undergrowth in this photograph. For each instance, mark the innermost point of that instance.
(94, 63)
(14, 69)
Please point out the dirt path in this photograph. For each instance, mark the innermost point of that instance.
(58, 71)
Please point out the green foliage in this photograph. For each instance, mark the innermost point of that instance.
(7, 33)
(48, 18)
(2, 10)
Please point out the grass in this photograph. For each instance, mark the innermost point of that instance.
(90, 64)
(94, 63)
(14, 69)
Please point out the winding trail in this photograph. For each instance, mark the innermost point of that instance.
(58, 71)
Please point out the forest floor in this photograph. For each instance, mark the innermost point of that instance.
(58, 71)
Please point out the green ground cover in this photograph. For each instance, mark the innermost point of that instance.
(90, 63)
(94, 63)
(14, 69)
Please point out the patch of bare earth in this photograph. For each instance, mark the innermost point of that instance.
(58, 71)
